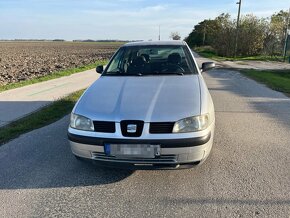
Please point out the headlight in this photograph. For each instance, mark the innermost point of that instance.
(191, 124)
(81, 123)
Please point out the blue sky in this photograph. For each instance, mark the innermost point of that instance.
(117, 19)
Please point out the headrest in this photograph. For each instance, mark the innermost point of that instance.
(174, 58)
(139, 61)
(146, 56)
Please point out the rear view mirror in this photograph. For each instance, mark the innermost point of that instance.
(100, 69)
(207, 66)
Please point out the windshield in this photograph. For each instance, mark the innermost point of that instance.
(151, 60)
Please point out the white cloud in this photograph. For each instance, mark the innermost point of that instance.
(156, 8)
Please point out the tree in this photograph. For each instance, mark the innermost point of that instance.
(218, 33)
(252, 35)
(175, 36)
(224, 35)
(256, 35)
(202, 34)
(275, 33)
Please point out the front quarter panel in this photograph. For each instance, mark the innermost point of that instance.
(206, 103)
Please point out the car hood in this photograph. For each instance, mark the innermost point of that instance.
(147, 98)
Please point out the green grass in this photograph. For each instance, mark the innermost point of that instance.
(206, 51)
(278, 80)
(43, 117)
(54, 75)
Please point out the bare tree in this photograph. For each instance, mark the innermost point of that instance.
(175, 36)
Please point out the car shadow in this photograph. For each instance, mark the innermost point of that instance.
(43, 159)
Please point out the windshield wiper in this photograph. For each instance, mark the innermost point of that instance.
(114, 72)
(118, 73)
(169, 73)
(179, 73)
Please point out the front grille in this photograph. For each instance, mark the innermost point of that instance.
(165, 159)
(161, 127)
(139, 124)
(104, 126)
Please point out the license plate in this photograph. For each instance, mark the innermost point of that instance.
(132, 150)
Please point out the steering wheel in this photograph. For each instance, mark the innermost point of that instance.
(174, 68)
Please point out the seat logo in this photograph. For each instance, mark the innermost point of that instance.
(132, 128)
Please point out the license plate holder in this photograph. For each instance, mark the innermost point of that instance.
(132, 150)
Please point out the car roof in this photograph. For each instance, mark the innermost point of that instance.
(146, 43)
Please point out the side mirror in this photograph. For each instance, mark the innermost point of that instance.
(207, 66)
(100, 69)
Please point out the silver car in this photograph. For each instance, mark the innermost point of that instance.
(149, 108)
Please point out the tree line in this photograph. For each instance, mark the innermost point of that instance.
(256, 35)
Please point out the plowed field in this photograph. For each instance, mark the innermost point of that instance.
(25, 60)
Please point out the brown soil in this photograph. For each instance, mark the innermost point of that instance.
(26, 60)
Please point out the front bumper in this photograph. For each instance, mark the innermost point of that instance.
(174, 152)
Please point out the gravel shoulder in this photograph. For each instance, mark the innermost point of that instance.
(257, 65)
(247, 174)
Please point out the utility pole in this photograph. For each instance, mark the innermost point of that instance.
(159, 37)
(286, 36)
(238, 26)
(204, 32)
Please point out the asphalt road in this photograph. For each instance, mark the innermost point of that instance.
(246, 175)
